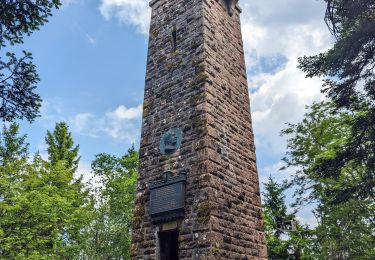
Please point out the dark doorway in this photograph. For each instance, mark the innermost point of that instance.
(168, 245)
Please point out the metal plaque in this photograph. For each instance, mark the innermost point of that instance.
(171, 141)
(167, 198)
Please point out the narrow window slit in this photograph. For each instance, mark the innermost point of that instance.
(174, 39)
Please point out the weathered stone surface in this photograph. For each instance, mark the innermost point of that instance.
(198, 84)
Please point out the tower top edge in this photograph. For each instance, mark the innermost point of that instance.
(152, 2)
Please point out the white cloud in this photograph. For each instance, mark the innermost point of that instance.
(280, 32)
(51, 112)
(130, 12)
(287, 29)
(275, 34)
(123, 113)
(84, 170)
(279, 98)
(121, 124)
(80, 121)
(273, 170)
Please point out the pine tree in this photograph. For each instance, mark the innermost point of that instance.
(13, 158)
(12, 146)
(286, 238)
(13, 167)
(60, 147)
(73, 201)
(48, 214)
(348, 71)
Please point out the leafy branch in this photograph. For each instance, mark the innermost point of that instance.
(18, 79)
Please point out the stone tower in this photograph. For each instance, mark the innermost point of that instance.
(198, 191)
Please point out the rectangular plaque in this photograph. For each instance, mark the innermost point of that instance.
(167, 198)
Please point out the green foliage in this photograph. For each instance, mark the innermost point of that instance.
(13, 147)
(286, 238)
(13, 158)
(346, 230)
(349, 81)
(319, 136)
(18, 79)
(18, 76)
(111, 230)
(47, 213)
(350, 63)
(345, 201)
(22, 17)
(61, 147)
(334, 145)
(44, 210)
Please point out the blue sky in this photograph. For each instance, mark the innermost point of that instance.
(91, 58)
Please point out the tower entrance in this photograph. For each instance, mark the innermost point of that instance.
(168, 245)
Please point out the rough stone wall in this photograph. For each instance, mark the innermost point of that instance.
(201, 88)
(236, 218)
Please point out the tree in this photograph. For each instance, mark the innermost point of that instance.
(18, 76)
(13, 167)
(334, 144)
(346, 230)
(111, 230)
(286, 238)
(46, 212)
(351, 62)
(60, 147)
(13, 158)
(345, 209)
(19, 18)
(13, 147)
(73, 204)
(18, 79)
(348, 69)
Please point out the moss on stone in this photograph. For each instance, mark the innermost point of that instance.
(198, 98)
(215, 250)
(144, 141)
(203, 212)
(199, 68)
(147, 244)
(153, 32)
(198, 145)
(199, 79)
(166, 157)
(137, 221)
(198, 122)
(147, 106)
(174, 54)
(199, 125)
(182, 238)
(139, 211)
(175, 61)
(206, 178)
